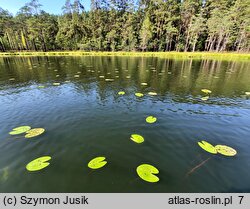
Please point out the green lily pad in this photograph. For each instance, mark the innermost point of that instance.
(121, 93)
(41, 87)
(97, 163)
(101, 76)
(56, 84)
(12, 79)
(144, 84)
(20, 130)
(57, 76)
(206, 91)
(247, 93)
(34, 132)
(109, 79)
(139, 94)
(137, 138)
(77, 76)
(207, 147)
(147, 173)
(152, 93)
(205, 98)
(38, 164)
(225, 150)
(151, 119)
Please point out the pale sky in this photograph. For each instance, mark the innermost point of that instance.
(50, 6)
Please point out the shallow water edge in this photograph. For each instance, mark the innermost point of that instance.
(176, 55)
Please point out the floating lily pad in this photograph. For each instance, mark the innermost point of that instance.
(128, 76)
(101, 76)
(76, 76)
(247, 93)
(57, 76)
(152, 93)
(207, 147)
(151, 119)
(147, 173)
(139, 94)
(137, 138)
(41, 87)
(205, 98)
(206, 91)
(225, 150)
(56, 84)
(97, 163)
(38, 164)
(109, 79)
(20, 130)
(144, 84)
(12, 79)
(34, 132)
(121, 93)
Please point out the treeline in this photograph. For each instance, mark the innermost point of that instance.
(130, 25)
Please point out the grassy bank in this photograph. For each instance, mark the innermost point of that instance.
(176, 55)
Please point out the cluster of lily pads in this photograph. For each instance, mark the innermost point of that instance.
(206, 91)
(28, 131)
(145, 171)
(138, 94)
(221, 149)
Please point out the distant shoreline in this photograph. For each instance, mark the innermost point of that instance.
(176, 55)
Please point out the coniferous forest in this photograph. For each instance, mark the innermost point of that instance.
(130, 25)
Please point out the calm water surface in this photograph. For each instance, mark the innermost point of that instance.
(84, 118)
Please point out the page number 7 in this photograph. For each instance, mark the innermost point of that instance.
(241, 198)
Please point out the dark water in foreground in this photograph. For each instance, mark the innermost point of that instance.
(85, 118)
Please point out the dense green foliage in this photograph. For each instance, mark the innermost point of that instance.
(130, 25)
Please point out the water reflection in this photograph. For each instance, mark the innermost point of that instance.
(164, 76)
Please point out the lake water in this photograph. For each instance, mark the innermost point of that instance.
(85, 117)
